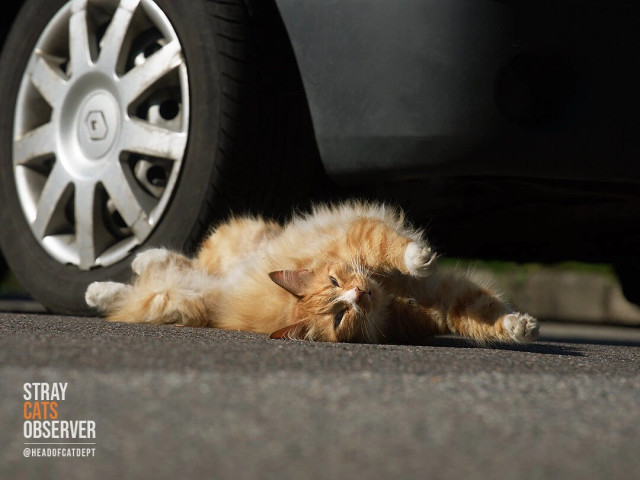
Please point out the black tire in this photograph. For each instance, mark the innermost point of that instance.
(247, 102)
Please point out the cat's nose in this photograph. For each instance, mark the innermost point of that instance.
(362, 298)
(358, 292)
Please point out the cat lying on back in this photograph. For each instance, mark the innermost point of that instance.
(349, 273)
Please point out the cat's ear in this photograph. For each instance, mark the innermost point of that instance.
(293, 281)
(295, 331)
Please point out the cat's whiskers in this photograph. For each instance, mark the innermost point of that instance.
(364, 330)
(375, 323)
(367, 336)
(370, 322)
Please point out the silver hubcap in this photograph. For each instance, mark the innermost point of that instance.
(101, 128)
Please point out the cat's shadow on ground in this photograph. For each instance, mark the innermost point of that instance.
(546, 348)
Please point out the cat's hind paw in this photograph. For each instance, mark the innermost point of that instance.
(418, 259)
(103, 296)
(159, 258)
(148, 258)
(521, 327)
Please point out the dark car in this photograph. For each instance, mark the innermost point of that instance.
(510, 129)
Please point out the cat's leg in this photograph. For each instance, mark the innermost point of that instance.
(178, 307)
(176, 296)
(461, 306)
(104, 296)
(158, 258)
(385, 250)
(418, 258)
(166, 291)
(521, 327)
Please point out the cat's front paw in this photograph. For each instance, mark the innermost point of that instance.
(418, 259)
(521, 327)
(154, 256)
(105, 295)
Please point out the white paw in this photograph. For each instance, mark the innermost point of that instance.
(521, 327)
(418, 258)
(103, 295)
(149, 257)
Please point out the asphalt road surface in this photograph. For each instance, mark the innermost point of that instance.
(173, 402)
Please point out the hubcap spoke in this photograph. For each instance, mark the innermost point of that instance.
(147, 139)
(48, 82)
(132, 202)
(111, 43)
(85, 218)
(135, 82)
(54, 195)
(34, 145)
(79, 50)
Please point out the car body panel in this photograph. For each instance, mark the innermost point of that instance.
(471, 87)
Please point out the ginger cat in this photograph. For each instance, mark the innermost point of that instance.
(354, 272)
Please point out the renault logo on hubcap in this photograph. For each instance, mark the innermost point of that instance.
(96, 125)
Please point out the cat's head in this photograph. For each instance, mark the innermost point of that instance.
(336, 303)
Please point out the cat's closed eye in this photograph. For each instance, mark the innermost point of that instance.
(337, 320)
(334, 282)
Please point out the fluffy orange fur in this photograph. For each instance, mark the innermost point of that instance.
(353, 272)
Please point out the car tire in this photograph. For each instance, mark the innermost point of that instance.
(243, 97)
